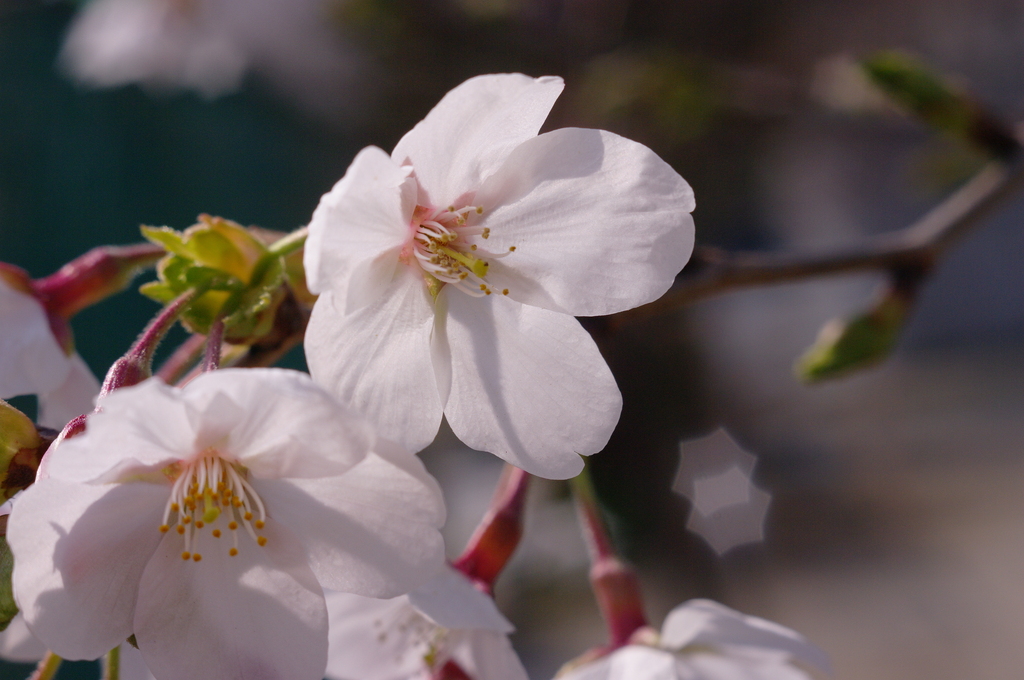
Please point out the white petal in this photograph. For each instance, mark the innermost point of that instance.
(276, 422)
(378, 360)
(79, 551)
(632, 662)
(467, 136)
(31, 361)
(704, 622)
(528, 385)
(599, 223)
(727, 666)
(372, 531)
(358, 230)
(74, 397)
(143, 426)
(259, 615)
(452, 601)
(132, 665)
(18, 644)
(487, 655)
(373, 639)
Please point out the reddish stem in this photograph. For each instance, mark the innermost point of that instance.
(498, 533)
(96, 275)
(213, 345)
(615, 584)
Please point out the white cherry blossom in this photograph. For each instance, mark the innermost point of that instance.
(450, 272)
(415, 635)
(205, 519)
(704, 640)
(33, 362)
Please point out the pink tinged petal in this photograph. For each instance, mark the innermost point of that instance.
(373, 639)
(31, 360)
(378, 360)
(276, 422)
(704, 622)
(18, 644)
(471, 131)
(132, 665)
(358, 229)
(139, 428)
(80, 551)
(74, 397)
(258, 615)
(452, 601)
(372, 531)
(727, 666)
(599, 223)
(528, 385)
(487, 655)
(636, 662)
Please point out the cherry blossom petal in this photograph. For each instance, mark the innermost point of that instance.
(276, 422)
(72, 398)
(468, 135)
(372, 531)
(528, 385)
(633, 662)
(124, 436)
(706, 622)
(731, 665)
(374, 639)
(132, 665)
(31, 360)
(379, 360)
(258, 615)
(452, 601)
(63, 535)
(487, 655)
(358, 229)
(599, 223)
(17, 643)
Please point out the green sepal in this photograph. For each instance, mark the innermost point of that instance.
(844, 346)
(925, 94)
(19, 450)
(8, 609)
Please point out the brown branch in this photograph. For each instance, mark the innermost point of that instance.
(909, 251)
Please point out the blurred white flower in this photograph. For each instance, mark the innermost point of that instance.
(714, 473)
(204, 520)
(32, 361)
(704, 640)
(446, 621)
(209, 45)
(451, 270)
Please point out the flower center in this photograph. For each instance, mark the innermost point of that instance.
(211, 492)
(446, 244)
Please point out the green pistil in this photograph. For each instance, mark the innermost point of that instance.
(473, 263)
(210, 511)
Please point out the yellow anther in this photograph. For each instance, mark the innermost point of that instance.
(479, 210)
(186, 555)
(487, 232)
(181, 529)
(259, 524)
(186, 519)
(233, 525)
(197, 557)
(488, 291)
(216, 533)
(473, 247)
(233, 552)
(199, 524)
(511, 249)
(164, 528)
(174, 507)
(483, 287)
(262, 540)
(236, 502)
(248, 516)
(210, 512)
(505, 291)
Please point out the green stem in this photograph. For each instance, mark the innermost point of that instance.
(47, 668)
(289, 244)
(112, 665)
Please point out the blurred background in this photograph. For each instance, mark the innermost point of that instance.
(884, 516)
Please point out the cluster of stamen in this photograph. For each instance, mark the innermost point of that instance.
(210, 492)
(445, 243)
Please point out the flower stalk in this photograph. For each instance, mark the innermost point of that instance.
(498, 533)
(112, 664)
(615, 584)
(47, 668)
(214, 341)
